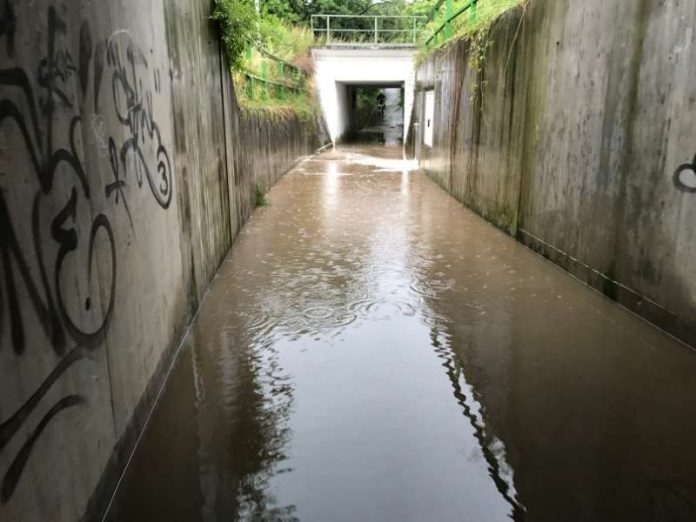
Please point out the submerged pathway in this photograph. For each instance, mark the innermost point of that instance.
(373, 351)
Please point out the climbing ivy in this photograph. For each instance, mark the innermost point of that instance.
(475, 26)
(479, 42)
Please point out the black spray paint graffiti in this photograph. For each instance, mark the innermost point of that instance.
(134, 110)
(685, 177)
(32, 115)
(8, 25)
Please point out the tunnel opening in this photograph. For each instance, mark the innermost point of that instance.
(375, 114)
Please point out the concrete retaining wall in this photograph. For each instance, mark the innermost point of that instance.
(126, 170)
(577, 136)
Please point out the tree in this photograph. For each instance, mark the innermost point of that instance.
(302, 10)
(237, 23)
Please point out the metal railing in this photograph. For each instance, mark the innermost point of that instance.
(367, 30)
(443, 32)
(287, 76)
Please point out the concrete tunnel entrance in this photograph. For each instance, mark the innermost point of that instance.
(375, 113)
(342, 73)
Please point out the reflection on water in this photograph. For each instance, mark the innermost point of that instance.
(492, 448)
(371, 351)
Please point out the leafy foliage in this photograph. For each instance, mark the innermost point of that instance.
(300, 11)
(244, 35)
(260, 196)
(418, 8)
(266, 99)
(284, 40)
(237, 20)
(282, 29)
(476, 20)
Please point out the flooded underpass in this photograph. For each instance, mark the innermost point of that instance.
(372, 351)
(378, 120)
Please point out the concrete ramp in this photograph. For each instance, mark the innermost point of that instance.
(339, 68)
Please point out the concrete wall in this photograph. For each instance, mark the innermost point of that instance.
(126, 170)
(336, 68)
(577, 136)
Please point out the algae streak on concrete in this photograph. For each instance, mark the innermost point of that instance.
(577, 135)
(122, 186)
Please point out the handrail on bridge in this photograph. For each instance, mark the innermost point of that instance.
(292, 81)
(369, 30)
(279, 60)
(446, 25)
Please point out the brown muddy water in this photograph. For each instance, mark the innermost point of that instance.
(373, 351)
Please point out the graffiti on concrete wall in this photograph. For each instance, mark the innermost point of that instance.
(134, 110)
(44, 108)
(685, 177)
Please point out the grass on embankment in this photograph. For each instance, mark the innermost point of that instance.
(286, 59)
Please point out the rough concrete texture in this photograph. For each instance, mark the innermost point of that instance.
(126, 170)
(577, 135)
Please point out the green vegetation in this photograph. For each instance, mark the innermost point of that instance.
(473, 24)
(367, 98)
(270, 60)
(470, 24)
(366, 104)
(237, 19)
(260, 196)
(276, 75)
(269, 53)
(300, 11)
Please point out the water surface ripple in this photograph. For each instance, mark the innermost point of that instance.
(373, 351)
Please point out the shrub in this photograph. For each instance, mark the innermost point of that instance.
(237, 20)
(260, 198)
(245, 35)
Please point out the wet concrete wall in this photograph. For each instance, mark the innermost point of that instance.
(268, 148)
(126, 170)
(576, 135)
